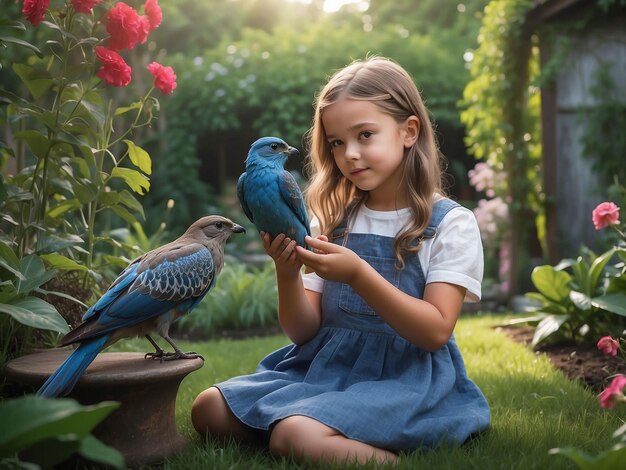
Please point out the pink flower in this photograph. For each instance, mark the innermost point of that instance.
(114, 71)
(84, 6)
(612, 395)
(35, 10)
(126, 27)
(605, 214)
(154, 13)
(164, 77)
(608, 346)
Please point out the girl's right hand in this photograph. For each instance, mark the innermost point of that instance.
(283, 251)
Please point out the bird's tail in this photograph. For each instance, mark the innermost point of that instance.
(62, 381)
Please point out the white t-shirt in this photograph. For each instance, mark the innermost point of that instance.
(454, 255)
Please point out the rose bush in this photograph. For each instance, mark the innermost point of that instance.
(610, 398)
(70, 163)
(582, 298)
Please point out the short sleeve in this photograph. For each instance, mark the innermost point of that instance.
(456, 254)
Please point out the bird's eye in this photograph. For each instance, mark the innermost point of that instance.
(274, 146)
(219, 224)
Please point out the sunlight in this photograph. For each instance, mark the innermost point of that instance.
(332, 6)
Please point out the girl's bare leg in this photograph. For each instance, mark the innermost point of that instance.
(301, 437)
(211, 415)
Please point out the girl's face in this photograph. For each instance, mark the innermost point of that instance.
(368, 147)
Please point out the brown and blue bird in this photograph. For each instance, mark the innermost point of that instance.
(149, 295)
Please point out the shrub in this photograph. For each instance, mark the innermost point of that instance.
(243, 297)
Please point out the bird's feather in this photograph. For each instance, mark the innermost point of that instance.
(151, 293)
(269, 195)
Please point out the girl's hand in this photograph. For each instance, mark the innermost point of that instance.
(283, 252)
(330, 261)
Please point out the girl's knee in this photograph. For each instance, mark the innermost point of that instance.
(290, 435)
(205, 409)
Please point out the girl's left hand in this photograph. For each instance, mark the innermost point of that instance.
(330, 261)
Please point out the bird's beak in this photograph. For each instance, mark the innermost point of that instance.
(293, 152)
(238, 229)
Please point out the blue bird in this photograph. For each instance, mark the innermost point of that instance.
(269, 195)
(149, 295)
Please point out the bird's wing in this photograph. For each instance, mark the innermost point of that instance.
(291, 194)
(176, 276)
(241, 196)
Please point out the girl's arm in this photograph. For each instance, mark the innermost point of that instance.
(299, 310)
(427, 323)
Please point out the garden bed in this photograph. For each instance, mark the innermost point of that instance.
(579, 362)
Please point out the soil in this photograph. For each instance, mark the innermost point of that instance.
(579, 362)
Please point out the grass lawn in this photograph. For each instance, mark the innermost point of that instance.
(534, 407)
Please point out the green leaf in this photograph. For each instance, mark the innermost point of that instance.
(139, 157)
(9, 261)
(595, 271)
(581, 275)
(131, 202)
(133, 178)
(36, 313)
(36, 141)
(30, 419)
(62, 263)
(21, 42)
(87, 164)
(94, 111)
(36, 81)
(96, 451)
(581, 300)
(615, 303)
(63, 207)
(547, 326)
(553, 284)
(85, 191)
(62, 295)
(34, 272)
(124, 214)
(55, 243)
(124, 109)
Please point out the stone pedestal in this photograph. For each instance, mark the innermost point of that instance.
(143, 428)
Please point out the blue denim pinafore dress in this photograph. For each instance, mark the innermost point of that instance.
(358, 376)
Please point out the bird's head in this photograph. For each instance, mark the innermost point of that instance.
(270, 151)
(213, 227)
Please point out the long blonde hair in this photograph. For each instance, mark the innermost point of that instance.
(329, 193)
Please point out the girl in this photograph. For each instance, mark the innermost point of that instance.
(374, 368)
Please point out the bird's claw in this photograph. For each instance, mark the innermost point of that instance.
(182, 355)
(156, 355)
(172, 356)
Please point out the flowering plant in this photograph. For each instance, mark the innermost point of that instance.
(609, 398)
(613, 394)
(70, 161)
(493, 218)
(591, 299)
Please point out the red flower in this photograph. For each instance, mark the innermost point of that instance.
(35, 10)
(605, 214)
(126, 27)
(114, 70)
(84, 6)
(613, 393)
(154, 13)
(164, 77)
(608, 346)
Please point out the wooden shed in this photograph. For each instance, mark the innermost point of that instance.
(579, 38)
